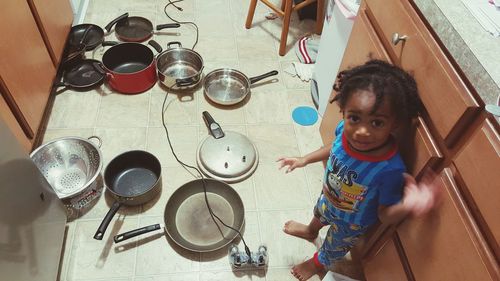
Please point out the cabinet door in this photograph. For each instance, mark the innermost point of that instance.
(439, 84)
(25, 65)
(444, 245)
(386, 264)
(363, 45)
(54, 29)
(478, 164)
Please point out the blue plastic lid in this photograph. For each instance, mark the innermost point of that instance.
(305, 115)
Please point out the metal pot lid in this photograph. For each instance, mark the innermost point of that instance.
(230, 159)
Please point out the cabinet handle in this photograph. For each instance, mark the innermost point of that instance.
(396, 38)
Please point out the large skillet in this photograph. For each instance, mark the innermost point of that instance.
(188, 221)
(131, 178)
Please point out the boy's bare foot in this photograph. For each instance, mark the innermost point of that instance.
(300, 230)
(306, 270)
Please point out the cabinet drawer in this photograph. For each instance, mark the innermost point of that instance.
(443, 245)
(419, 149)
(478, 163)
(445, 96)
(385, 265)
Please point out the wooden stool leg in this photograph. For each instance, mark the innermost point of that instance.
(286, 25)
(320, 17)
(283, 3)
(251, 11)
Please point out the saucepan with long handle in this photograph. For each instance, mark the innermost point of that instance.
(226, 86)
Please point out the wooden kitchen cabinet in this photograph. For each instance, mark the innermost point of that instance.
(388, 258)
(27, 68)
(54, 29)
(478, 165)
(445, 245)
(421, 55)
(8, 117)
(459, 240)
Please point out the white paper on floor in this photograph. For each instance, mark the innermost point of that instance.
(301, 70)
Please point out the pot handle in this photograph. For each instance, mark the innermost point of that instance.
(167, 25)
(107, 219)
(155, 45)
(98, 140)
(214, 127)
(174, 43)
(182, 82)
(113, 22)
(260, 77)
(136, 232)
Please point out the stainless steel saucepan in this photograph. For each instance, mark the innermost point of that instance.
(228, 86)
(178, 68)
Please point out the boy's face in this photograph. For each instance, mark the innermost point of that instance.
(363, 129)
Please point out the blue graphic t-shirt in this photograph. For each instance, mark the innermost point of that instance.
(357, 184)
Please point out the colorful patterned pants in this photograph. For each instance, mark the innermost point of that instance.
(341, 236)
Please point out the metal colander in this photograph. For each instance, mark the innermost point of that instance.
(70, 165)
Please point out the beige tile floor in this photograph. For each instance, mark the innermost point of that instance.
(126, 122)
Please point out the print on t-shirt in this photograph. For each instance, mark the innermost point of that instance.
(346, 194)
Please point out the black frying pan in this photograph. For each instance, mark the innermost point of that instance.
(94, 38)
(136, 29)
(83, 75)
(132, 178)
(187, 219)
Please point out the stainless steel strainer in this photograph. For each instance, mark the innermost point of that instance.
(70, 164)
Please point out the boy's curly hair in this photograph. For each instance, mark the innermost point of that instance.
(384, 80)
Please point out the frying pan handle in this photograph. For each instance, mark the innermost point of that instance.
(167, 25)
(155, 45)
(109, 43)
(107, 219)
(260, 77)
(174, 43)
(113, 22)
(136, 232)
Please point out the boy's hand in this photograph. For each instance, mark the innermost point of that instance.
(291, 162)
(419, 198)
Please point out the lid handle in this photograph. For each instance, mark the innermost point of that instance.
(213, 127)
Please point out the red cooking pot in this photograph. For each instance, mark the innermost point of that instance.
(130, 68)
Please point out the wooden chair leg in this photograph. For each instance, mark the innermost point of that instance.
(283, 3)
(251, 11)
(320, 17)
(286, 25)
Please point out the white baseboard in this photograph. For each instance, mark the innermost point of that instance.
(79, 13)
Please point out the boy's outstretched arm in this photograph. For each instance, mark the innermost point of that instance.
(419, 198)
(297, 162)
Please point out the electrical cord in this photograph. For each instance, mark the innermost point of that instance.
(181, 22)
(212, 214)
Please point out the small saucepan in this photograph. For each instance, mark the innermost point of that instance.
(226, 86)
(131, 178)
(178, 68)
